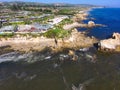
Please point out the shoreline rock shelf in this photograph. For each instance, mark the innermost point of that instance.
(75, 40)
(76, 25)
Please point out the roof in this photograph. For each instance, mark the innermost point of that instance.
(7, 28)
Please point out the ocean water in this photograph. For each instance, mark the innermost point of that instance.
(110, 17)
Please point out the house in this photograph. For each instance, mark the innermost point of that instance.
(15, 20)
(23, 13)
(42, 27)
(7, 29)
(34, 28)
(3, 20)
(26, 28)
(57, 19)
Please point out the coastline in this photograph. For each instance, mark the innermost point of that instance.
(75, 41)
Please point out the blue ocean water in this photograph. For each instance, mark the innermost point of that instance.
(106, 16)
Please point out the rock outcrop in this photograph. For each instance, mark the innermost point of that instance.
(80, 16)
(74, 25)
(110, 44)
(77, 24)
(91, 24)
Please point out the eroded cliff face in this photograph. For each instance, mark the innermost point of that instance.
(111, 43)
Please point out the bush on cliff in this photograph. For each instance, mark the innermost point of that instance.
(56, 33)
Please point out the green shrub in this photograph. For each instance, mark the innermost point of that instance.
(17, 23)
(66, 12)
(56, 33)
(6, 35)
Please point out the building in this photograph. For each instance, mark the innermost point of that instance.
(26, 28)
(7, 29)
(57, 20)
(42, 27)
(34, 28)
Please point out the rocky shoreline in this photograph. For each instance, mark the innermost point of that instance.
(90, 24)
(26, 44)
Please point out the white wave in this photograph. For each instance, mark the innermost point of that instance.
(13, 56)
(84, 49)
(48, 57)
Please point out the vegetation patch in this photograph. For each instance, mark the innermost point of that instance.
(66, 12)
(57, 33)
(5, 35)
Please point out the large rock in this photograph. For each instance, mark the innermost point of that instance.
(110, 44)
(91, 24)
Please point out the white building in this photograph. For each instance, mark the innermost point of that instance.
(7, 29)
(57, 20)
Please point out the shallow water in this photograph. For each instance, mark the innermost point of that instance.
(61, 73)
